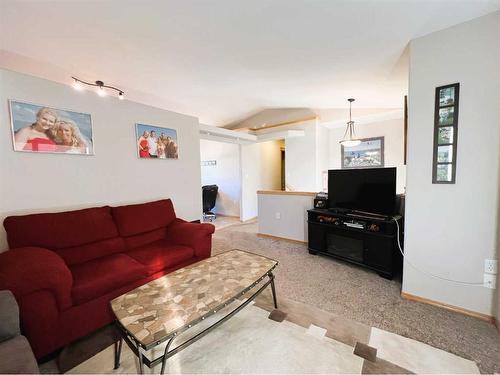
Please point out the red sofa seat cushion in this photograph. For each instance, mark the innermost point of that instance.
(146, 217)
(161, 255)
(97, 277)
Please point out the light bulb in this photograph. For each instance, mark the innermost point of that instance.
(350, 142)
(121, 96)
(77, 85)
(101, 91)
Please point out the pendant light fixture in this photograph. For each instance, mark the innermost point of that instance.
(349, 139)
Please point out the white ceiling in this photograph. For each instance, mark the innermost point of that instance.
(222, 60)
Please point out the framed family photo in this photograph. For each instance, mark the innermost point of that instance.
(368, 154)
(154, 142)
(42, 129)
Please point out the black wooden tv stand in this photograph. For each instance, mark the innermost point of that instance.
(357, 237)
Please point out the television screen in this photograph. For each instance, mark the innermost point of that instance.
(368, 189)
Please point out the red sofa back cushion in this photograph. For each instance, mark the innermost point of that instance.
(145, 217)
(81, 254)
(61, 230)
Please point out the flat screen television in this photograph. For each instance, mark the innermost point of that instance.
(369, 189)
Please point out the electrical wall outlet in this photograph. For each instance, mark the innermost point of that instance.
(277, 215)
(490, 266)
(489, 281)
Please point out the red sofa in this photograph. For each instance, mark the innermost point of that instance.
(64, 268)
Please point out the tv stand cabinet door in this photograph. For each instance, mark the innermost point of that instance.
(378, 253)
(317, 237)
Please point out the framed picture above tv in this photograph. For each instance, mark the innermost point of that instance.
(368, 154)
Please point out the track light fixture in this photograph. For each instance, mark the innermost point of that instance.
(101, 87)
(77, 85)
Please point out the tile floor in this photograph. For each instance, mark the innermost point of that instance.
(307, 340)
(394, 353)
(249, 343)
(418, 357)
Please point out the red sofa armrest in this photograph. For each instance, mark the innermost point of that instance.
(194, 235)
(30, 269)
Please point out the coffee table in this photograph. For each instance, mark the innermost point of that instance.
(166, 307)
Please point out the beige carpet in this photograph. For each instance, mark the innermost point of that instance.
(363, 296)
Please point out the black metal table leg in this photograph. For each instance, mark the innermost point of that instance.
(141, 362)
(165, 355)
(273, 290)
(118, 352)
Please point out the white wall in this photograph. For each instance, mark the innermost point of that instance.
(225, 174)
(393, 133)
(323, 147)
(301, 161)
(451, 229)
(284, 215)
(260, 170)
(115, 175)
(496, 296)
(250, 180)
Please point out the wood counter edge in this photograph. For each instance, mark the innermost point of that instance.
(282, 192)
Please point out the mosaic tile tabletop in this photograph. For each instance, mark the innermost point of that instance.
(163, 306)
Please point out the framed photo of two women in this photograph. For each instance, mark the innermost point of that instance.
(42, 129)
